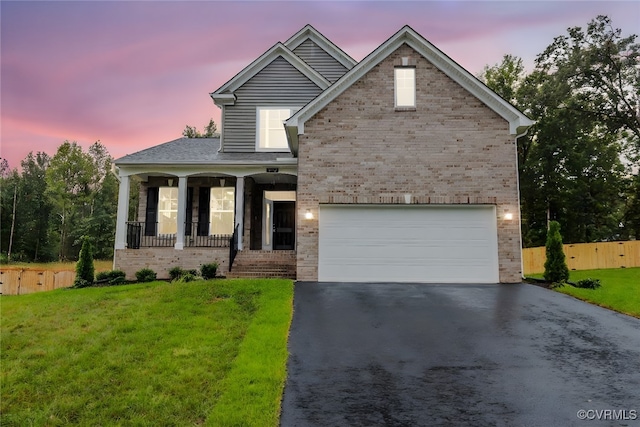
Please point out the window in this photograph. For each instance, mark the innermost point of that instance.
(167, 210)
(270, 129)
(222, 204)
(405, 86)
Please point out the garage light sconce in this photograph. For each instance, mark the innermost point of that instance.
(308, 214)
(508, 216)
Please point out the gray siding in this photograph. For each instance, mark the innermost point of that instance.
(320, 60)
(278, 84)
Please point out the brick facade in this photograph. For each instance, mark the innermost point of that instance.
(161, 260)
(450, 149)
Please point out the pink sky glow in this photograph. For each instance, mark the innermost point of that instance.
(132, 74)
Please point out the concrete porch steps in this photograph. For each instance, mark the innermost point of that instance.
(264, 264)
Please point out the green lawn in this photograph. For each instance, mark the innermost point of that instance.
(198, 353)
(620, 289)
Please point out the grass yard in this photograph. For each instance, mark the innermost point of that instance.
(199, 353)
(620, 289)
(99, 265)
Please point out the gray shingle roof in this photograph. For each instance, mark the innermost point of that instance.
(198, 151)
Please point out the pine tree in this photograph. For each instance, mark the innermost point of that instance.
(84, 267)
(555, 267)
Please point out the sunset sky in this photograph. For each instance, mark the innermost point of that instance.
(132, 74)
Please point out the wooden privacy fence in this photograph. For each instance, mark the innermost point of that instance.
(587, 256)
(21, 282)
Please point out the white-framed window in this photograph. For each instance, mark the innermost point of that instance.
(222, 204)
(405, 87)
(167, 210)
(270, 134)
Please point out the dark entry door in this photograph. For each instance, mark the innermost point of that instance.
(284, 227)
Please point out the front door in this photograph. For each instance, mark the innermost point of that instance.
(284, 214)
(278, 216)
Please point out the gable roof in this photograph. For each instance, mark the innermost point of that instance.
(310, 33)
(518, 122)
(224, 95)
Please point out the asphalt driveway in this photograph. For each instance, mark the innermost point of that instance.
(458, 355)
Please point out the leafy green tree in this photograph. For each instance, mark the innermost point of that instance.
(69, 178)
(210, 131)
(555, 267)
(85, 272)
(34, 212)
(582, 95)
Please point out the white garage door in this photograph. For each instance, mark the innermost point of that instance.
(434, 244)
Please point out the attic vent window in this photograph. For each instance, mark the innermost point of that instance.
(405, 86)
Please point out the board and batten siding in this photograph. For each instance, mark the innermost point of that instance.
(320, 60)
(277, 84)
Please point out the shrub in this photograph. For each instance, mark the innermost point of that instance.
(84, 267)
(208, 271)
(112, 278)
(145, 275)
(555, 267)
(175, 273)
(187, 277)
(589, 283)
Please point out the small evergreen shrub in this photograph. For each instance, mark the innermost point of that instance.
(555, 267)
(208, 271)
(84, 267)
(145, 275)
(112, 278)
(589, 283)
(175, 273)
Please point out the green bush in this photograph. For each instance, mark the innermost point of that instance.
(145, 275)
(555, 267)
(208, 271)
(588, 283)
(175, 273)
(84, 267)
(112, 278)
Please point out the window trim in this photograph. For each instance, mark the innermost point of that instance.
(258, 147)
(404, 107)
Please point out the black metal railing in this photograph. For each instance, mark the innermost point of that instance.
(197, 235)
(141, 234)
(233, 247)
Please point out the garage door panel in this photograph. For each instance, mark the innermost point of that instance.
(408, 243)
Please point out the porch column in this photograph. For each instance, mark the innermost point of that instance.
(182, 209)
(123, 213)
(240, 209)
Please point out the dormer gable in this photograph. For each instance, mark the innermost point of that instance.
(224, 94)
(320, 53)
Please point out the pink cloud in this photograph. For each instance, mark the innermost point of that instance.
(132, 74)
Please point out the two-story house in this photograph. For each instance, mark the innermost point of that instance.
(401, 167)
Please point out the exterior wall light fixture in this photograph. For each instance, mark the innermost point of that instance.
(308, 214)
(508, 216)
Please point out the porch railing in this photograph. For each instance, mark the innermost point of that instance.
(141, 234)
(233, 247)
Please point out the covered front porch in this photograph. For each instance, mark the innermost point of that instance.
(190, 216)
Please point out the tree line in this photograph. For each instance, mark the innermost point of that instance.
(48, 207)
(578, 165)
(55, 203)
